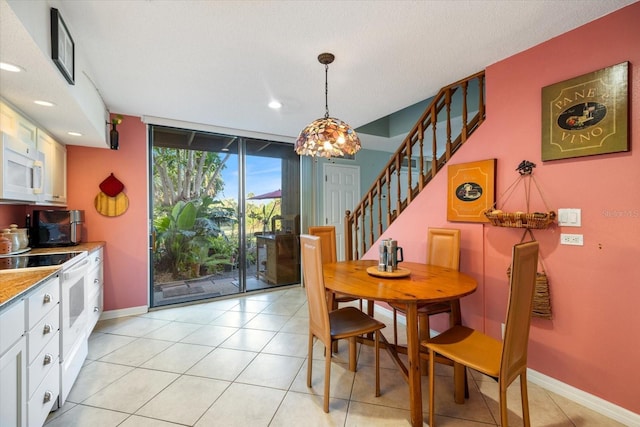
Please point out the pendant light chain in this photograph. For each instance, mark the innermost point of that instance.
(326, 91)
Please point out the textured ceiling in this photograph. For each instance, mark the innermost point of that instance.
(219, 63)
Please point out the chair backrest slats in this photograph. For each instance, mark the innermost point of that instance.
(522, 286)
(443, 247)
(311, 253)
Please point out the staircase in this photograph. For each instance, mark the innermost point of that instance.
(443, 127)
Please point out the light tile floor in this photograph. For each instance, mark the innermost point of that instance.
(242, 362)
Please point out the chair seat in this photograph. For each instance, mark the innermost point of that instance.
(349, 321)
(465, 345)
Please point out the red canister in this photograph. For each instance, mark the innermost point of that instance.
(5, 244)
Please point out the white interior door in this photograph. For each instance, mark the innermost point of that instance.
(341, 192)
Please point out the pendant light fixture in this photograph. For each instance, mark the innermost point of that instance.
(327, 136)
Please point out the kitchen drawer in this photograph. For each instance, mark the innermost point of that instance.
(42, 300)
(94, 280)
(11, 325)
(42, 333)
(96, 258)
(95, 310)
(43, 398)
(43, 363)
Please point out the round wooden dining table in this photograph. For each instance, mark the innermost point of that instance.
(424, 284)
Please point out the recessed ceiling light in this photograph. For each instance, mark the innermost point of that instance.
(44, 103)
(74, 133)
(10, 67)
(275, 104)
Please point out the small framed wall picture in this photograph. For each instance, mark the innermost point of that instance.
(471, 190)
(62, 46)
(586, 115)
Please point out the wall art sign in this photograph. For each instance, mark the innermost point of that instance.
(62, 46)
(471, 190)
(586, 115)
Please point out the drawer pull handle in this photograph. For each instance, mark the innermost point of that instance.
(97, 259)
(47, 396)
(47, 329)
(47, 359)
(96, 281)
(96, 309)
(47, 298)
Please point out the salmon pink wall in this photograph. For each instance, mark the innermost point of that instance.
(125, 264)
(12, 214)
(592, 341)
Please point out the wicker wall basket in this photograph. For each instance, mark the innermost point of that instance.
(541, 297)
(535, 220)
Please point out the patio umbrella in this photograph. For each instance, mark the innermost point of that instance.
(277, 194)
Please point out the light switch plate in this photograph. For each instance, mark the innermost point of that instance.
(570, 217)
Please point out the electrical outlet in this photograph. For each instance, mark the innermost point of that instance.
(571, 239)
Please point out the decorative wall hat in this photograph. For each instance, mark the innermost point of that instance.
(111, 201)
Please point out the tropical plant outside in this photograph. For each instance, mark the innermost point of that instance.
(196, 232)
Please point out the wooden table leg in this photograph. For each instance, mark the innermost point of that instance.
(370, 312)
(413, 353)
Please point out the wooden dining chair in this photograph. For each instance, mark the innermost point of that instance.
(329, 326)
(443, 249)
(327, 234)
(502, 360)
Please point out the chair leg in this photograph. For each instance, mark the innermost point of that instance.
(309, 362)
(525, 399)
(466, 385)
(377, 348)
(395, 326)
(424, 334)
(327, 381)
(352, 354)
(504, 413)
(432, 388)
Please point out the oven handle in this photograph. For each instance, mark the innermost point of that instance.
(76, 270)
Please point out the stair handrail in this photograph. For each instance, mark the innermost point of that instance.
(357, 238)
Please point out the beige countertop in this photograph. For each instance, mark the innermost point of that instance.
(16, 281)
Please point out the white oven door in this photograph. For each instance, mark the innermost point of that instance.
(73, 307)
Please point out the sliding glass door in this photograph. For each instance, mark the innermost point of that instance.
(225, 215)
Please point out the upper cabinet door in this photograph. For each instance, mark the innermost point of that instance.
(55, 170)
(14, 124)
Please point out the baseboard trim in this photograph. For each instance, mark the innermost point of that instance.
(131, 311)
(583, 398)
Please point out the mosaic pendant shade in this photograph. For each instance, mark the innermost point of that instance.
(327, 136)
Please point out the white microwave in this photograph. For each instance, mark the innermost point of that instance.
(21, 174)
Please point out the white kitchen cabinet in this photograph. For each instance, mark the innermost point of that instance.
(55, 170)
(30, 363)
(13, 366)
(37, 145)
(13, 403)
(17, 125)
(43, 344)
(95, 289)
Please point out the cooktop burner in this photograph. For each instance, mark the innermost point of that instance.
(29, 261)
